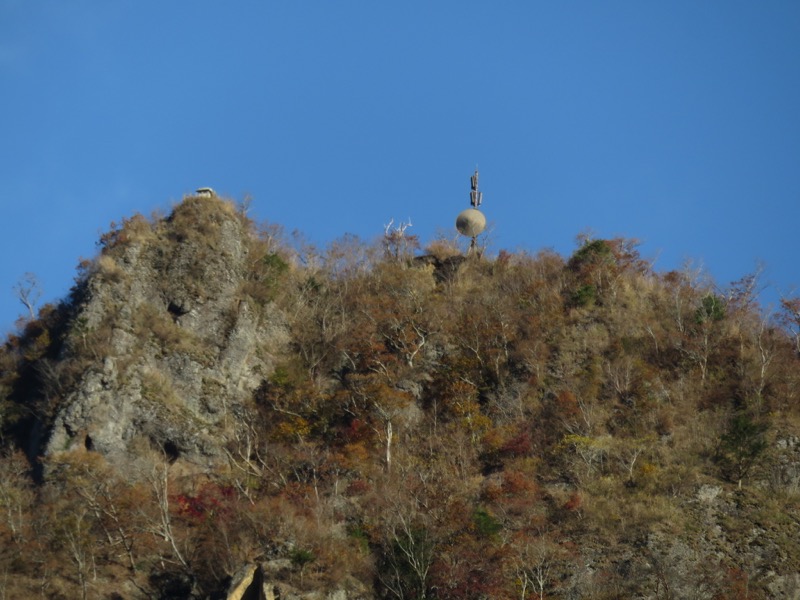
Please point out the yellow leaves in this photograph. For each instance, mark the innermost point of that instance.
(292, 429)
(459, 400)
(355, 455)
(469, 415)
(574, 440)
(648, 470)
(476, 423)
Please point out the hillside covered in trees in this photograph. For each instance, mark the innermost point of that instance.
(219, 410)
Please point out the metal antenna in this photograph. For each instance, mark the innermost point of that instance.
(475, 197)
(471, 222)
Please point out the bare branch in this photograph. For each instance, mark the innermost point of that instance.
(28, 291)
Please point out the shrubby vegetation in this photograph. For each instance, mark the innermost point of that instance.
(480, 431)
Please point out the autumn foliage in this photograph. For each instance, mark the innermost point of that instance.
(480, 434)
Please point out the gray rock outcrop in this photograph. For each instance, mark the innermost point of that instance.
(169, 349)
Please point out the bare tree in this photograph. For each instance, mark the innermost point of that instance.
(75, 531)
(533, 567)
(159, 479)
(28, 291)
(410, 556)
(397, 243)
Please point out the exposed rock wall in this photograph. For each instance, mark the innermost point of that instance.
(174, 350)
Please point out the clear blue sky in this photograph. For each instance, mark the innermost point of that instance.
(677, 123)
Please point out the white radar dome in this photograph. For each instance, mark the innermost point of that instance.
(470, 222)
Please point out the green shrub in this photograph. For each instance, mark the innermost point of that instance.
(594, 252)
(301, 557)
(711, 309)
(274, 266)
(741, 446)
(485, 524)
(586, 295)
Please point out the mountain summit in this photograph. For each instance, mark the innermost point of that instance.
(215, 412)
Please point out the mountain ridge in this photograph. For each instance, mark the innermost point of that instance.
(366, 421)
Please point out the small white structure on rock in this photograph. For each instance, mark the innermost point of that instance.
(205, 192)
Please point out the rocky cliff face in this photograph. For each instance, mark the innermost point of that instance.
(174, 351)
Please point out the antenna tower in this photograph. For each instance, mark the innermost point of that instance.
(471, 222)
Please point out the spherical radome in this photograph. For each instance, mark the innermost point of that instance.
(470, 222)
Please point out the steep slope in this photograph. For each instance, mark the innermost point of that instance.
(215, 411)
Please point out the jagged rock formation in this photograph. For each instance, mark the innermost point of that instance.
(246, 584)
(180, 351)
(256, 582)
